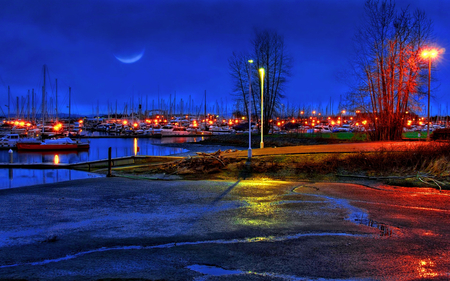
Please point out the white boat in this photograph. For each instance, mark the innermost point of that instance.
(221, 130)
(169, 130)
(154, 130)
(9, 140)
(321, 129)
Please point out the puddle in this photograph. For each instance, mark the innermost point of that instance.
(179, 244)
(211, 271)
(13, 178)
(355, 214)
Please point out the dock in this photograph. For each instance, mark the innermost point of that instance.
(95, 165)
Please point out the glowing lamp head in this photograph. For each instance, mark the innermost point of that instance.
(429, 53)
(433, 53)
(250, 61)
(261, 72)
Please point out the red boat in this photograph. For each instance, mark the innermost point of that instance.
(57, 144)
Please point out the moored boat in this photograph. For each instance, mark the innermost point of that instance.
(56, 144)
(169, 131)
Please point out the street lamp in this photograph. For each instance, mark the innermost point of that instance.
(249, 109)
(429, 54)
(261, 73)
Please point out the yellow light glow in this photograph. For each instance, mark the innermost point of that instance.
(250, 61)
(56, 159)
(125, 122)
(136, 148)
(429, 53)
(261, 72)
(433, 53)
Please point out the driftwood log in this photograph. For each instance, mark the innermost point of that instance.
(206, 163)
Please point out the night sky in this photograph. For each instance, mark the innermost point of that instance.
(185, 47)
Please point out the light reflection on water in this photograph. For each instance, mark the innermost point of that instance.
(120, 147)
(11, 178)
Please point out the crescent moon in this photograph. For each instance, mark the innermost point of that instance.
(130, 59)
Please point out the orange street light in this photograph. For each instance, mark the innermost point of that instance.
(429, 54)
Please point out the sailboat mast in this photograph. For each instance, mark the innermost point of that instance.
(9, 101)
(70, 91)
(205, 111)
(56, 99)
(43, 100)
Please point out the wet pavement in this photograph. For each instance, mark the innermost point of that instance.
(222, 230)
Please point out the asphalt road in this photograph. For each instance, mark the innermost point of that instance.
(221, 230)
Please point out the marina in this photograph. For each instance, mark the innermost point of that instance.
(98, 150)
(39, 167)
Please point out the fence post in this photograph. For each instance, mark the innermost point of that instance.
(109, 163)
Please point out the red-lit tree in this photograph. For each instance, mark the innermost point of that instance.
(387, 66)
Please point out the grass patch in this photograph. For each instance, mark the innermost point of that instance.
(425, 164)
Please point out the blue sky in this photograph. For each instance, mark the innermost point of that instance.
(185, 47)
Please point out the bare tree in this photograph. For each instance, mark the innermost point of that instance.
(239, 72)
(269, 52)
(387, 66)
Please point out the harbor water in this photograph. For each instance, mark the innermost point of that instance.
(120, 147)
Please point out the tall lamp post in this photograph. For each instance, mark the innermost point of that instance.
(429, 54)
(249, 109)
(261, 73)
